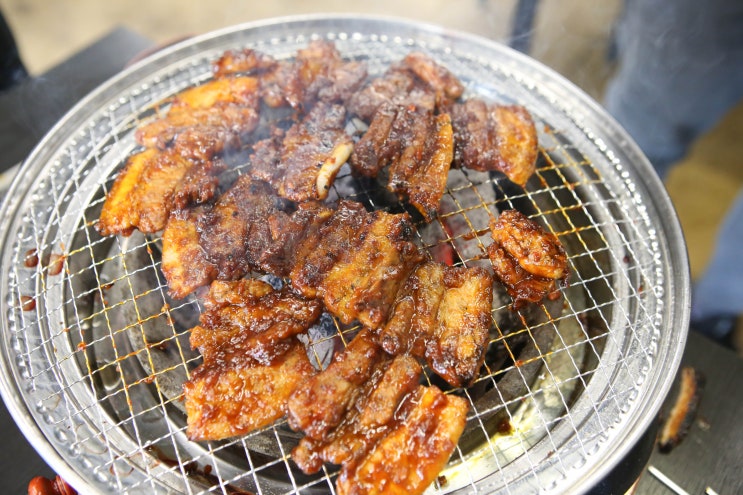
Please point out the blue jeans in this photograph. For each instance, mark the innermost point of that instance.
(680, 70)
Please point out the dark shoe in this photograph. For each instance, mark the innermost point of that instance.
(719, 328)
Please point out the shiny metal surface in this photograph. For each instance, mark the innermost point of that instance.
(92, 371)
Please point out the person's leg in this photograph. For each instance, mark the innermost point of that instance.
(719, 292)
(680, 70)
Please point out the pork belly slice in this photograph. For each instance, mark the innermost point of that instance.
(416, 80)
(313, 152)
(527, 259)
(439, 78)
(319, 73)
(418, 147)
(492, 137)
(235, 232)
(320, 404)
(367, 420)
(149, 186)
(356, 262)
(410, 457)
(231, 105)
(184, 262)
(442, 315)
(247, 319)
(228, 399)
(252, 359)
(422, 169)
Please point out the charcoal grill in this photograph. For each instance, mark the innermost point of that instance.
(94, 352)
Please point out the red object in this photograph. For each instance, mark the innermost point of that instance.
(44, 486)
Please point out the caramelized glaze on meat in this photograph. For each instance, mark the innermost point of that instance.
(304, 165)
(418, 147)
(491, 137)
(528, 260)
(356, 263)
(184, 262)
(319, 405)
(247, 320)
(416, 80)
(442, 314)
(252, 360)
(444, 83)
(149, 186)
(231, 105)
(370, 417)
(421, 171)
(230, 400)
(235, 232)
(411, 456)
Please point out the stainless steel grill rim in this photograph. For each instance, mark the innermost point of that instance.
(55, 390)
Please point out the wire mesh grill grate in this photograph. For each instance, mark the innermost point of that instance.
(99, 351)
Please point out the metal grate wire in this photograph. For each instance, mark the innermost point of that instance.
(96, 364)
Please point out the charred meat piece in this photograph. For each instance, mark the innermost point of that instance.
(418, 147)
(231, 105)
(371, 417)
(463, 324)
(319, 73)
(398, 86)
(309, 157)
(356, 263)
(229, 399)
(528, 260)
(319, 405)
(235, 232)
(410, 457)
(442, 314)
(444, 83)
(491, 137)
(288, 232)
(373, 151)
(246, 62)
(148, 187)
(252, 361)
(421, 171)
(247, 319)
(184, 262)
(416, 80)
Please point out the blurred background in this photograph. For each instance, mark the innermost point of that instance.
(571, 36)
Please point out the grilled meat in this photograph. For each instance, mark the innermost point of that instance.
(421, 171)
(227, 400)
(247, 319)
(302, 166)
(148, 187)
(229, 105)
(320, 404)
(442, 314)
(184, 262)
(417, 80)
(252, 360)
(417, 146)
(528, 260)
(491, 137)
(356, 262)
(235, 232)
(409, 457)
(366, 421)
(445, 84)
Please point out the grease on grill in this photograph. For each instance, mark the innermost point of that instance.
(28, 303)
(684, 410)
(32, 258)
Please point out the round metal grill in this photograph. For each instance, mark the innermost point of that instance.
(94, 352)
